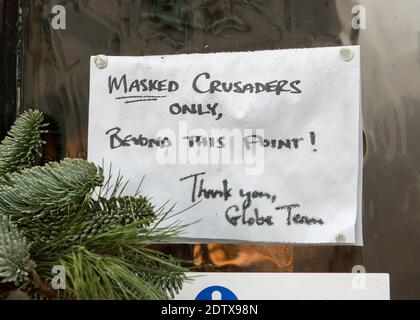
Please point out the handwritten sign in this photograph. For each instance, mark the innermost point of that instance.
(265, 144)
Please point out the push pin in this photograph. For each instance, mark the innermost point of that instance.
(340, 238)
(346, 54)
(101, 61)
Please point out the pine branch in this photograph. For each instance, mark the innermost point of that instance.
(23, 142)
(165, 272)
(47, 191)
(107, 214)
(97, 217)
(14, 253)
(102, 242)
(97, 276)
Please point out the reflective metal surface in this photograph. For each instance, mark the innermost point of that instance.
(56, 80)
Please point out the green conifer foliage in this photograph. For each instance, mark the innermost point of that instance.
(67, 214)
(22, 144)
(14, 253)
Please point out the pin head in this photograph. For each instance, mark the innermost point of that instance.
(340, 238)
(346, 54)
(101, 61)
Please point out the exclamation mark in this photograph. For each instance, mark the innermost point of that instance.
(313, 138)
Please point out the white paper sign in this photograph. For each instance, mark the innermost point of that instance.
(266, 144)
(286, 286)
